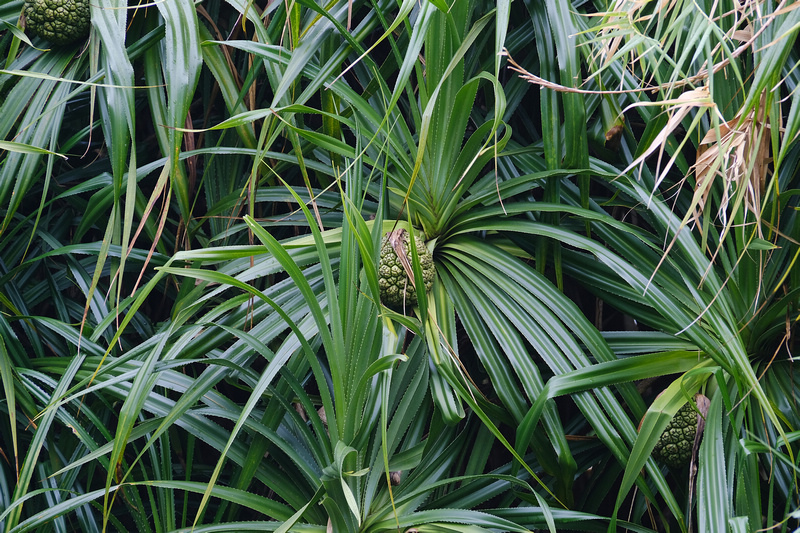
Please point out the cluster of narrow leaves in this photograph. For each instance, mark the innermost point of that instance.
(193, 202)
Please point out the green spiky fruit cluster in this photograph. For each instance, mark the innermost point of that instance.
(58, 21)
(396, 289)
(674, 448)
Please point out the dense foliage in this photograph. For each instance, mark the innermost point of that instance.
(193, 201)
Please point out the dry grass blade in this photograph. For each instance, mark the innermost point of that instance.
(737, 153)
(397, 239)
(543, 83)
(679, 109)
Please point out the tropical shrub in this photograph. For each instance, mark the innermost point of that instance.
(193, 204)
